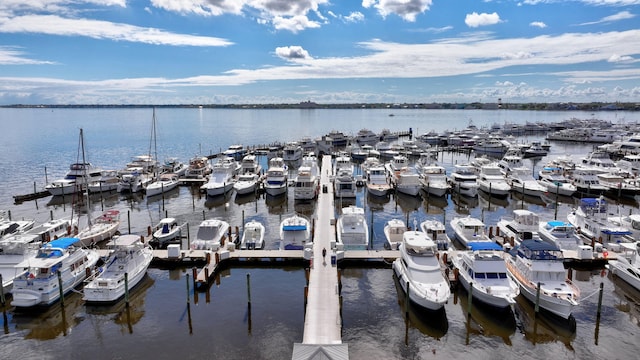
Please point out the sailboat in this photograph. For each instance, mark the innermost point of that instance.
(166, 181)
(101, 228)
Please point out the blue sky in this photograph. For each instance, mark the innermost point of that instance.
(327, 51)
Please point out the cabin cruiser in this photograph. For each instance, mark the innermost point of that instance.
(199, 168)
(8, 226)
(592, 219)
(393, 231)
(166, 182)
(128, 258)
(307, 181)
(252, 236)
(618, 185)
(586, 181)
(468, 229)
(491, 146)
(561, 234)
(366, 136)
(553, 179)
(521, 180)
(13, 251)
(222, 177)
(436, 230)
(419, 273)
(295, 232)
(173, 166)
(434, 180)
(352, 230)
(406, 180)
(79, 176)
(276, 179)
(250, 165)
(538, 268)
(377, 180)
(535, 150)
(492, 181)
(483, 267)
(464, 180)
(166, 232)
(211, 235)
(236, 151)
(133, 180)
(246, 183)
(292, 152)
(523, 225)
(57, 261)
(627, 265)
(108, 181)
(344, 181)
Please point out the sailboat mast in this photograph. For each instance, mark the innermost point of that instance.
(85, 177)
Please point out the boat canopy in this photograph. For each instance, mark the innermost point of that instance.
(294, 227)
(62, 243)
(483, 245)
(555, 223)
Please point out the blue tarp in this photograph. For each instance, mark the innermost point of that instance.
(538, 245)
(294, 227)
(62, 243)
(555, 223)
(483, 245)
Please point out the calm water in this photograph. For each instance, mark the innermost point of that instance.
(219, 325)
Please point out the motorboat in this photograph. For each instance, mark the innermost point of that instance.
(79, 176)
(419, 273)
(133, 180)
(99, 229)
(491, 146)
(211, 235)
(10, 226)
(464, 180)
(146, 163)
(586, 181)
(538, 268)
(276, 179)
(13, 251)
(437, 231)
(405, 179)
(618, 185)
(306, 183)
(535, 150)
(512, 159)
(561, 234)
(166, 232)
(57, 262)
(468, 229)
(483, 268)
(393, 231)
(295, 232)
(166, 182)
(352, 229)
(521, 180)
(434, 180)
(236, 151)
(554, 180)
(199, 168)
(250, 165)
(126, 265)
(631, 222)
(524, 225)
(344, 181)
(222, 178)
(174, 166)
(492, 181)
(366, 137)
(108, 181)
(247, 183)
(592, 219)
(292, 152)
(377, 180)
(627, 265)
(252, 236)
(49, 230)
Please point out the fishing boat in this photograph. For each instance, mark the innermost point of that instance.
(468, 229)
(560, 233)
(124, 268)
(166, 232)
(523, 225)
(352, 229)
(295, 232)
(482, 270)
(437, 232)
(464, 180)
(252, 236)
(627, 264)
(211, 235)
(538, 268)
(592, 218)
(393, 231)
(276, 179)
(57, 262)
(419, 273)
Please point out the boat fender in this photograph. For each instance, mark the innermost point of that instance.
(605, 254)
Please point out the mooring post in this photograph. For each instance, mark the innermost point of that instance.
(537, 308)
(2, 298)
(249, 290)
(469, 299)
(126, 288)
(61, 289)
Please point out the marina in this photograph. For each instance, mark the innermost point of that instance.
(313, 301)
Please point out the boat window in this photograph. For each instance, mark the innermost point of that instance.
(480, 276)
(470, 272)
(502, 275)
(492, 275)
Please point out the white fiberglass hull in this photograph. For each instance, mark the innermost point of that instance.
(433, 297)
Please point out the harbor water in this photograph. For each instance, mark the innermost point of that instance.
(39, 145)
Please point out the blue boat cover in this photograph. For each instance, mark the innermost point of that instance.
(294, 227)
(62, 243)
(614, 232)
(592, 201)
(539, 245)
(555, 223)
(483, 245)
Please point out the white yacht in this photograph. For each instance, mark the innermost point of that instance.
(199, 168)
(10, 226)
(276, 179)
(166, 232)
(377, 181)
(393, 231)
(344, 181)
(492, 181)
(627, 264)
(437, 231)
(554, 180)
(252, 236)
(13, 251)
(292, 152)
(592, 219)
(419, 273)
(352, 229)
(483, 267)
(222, 177)
(491, 146)
(109, 180)
(535, 263)
(166, 182)
(100, 228)
(295, 232)
(631, 222)
(307, 182)
(405, 179)
(250, 165)
(523, 225)
(535, 150)
(247, 183)
(366, 136)
(133, 180)
(211, 235)
(174, 166)
(468, 229)
(464, 180)
(586, 181)
(561, 234)
(521, 181)
(236, 151)
(618, 185)
(129, 257)
(434, 180)
(79, 176)
(39, 285)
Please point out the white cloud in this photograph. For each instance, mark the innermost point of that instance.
(293, 53)
(406, 9)
(615, 58)
(475, 20)
(539, 24)
(355, 16)
(201, 7)
(97, 29)
(517, 55)
(294, 23)
(622, 15)
(13, 56)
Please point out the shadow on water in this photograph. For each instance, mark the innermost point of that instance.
(486, 320)
(629, 298)
(428, 322)
(407, 203)
(218, 200)
(522, 201)
(277, 205)
(47, 323)
(545, 327)
(434, 204)
(492, 203)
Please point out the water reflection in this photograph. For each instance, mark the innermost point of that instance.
(629, 298)
(492, 203)
(545, 327)
(218, 201)
(486, 320)
(377, 203)
(277, 204)
(463, 204)
(242, 199)
(50, 322)
(434, 204)
(523, 201)
(430, 323)
(407, 203)
(165, 196)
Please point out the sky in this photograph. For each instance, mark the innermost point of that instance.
(325, 51)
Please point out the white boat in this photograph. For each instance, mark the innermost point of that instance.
(50, 230)
(512, 159)
(464, 180)
(222, 178)
(491, 146)
(521, 181)
(492, 181)
(306, 183)
(276, 179)
(468, 229)
(247, 183)
(133, 180)
(99, 229)
(483, 268)
(109, 180)
(10, 226)
(13, 251)
(128, 257)
(39, 285)
(393, 231)
(76, 180)
(631, 222)
(166, 232)
(366, 137)
(523, 225)
(147, 163)
(344, 181)
(627, 264)
(252, 236)
(166, 182)
(377, 180)
(437, 231)
(405, 179)
(592, 219)
(199, 168)
(419, 273)
(295, 232)
(586, 181)
(536, 264)
(174, 166)
(250, 165)
(618, 185)
(352, 230)
(236, 151)
(434, 180)
(292, 152)
(535, 150)
(211, 235)
(553, 179)
(560, 233)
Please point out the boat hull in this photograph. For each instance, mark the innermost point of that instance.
(417, 297)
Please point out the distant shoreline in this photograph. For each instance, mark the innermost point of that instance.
(384, 106)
